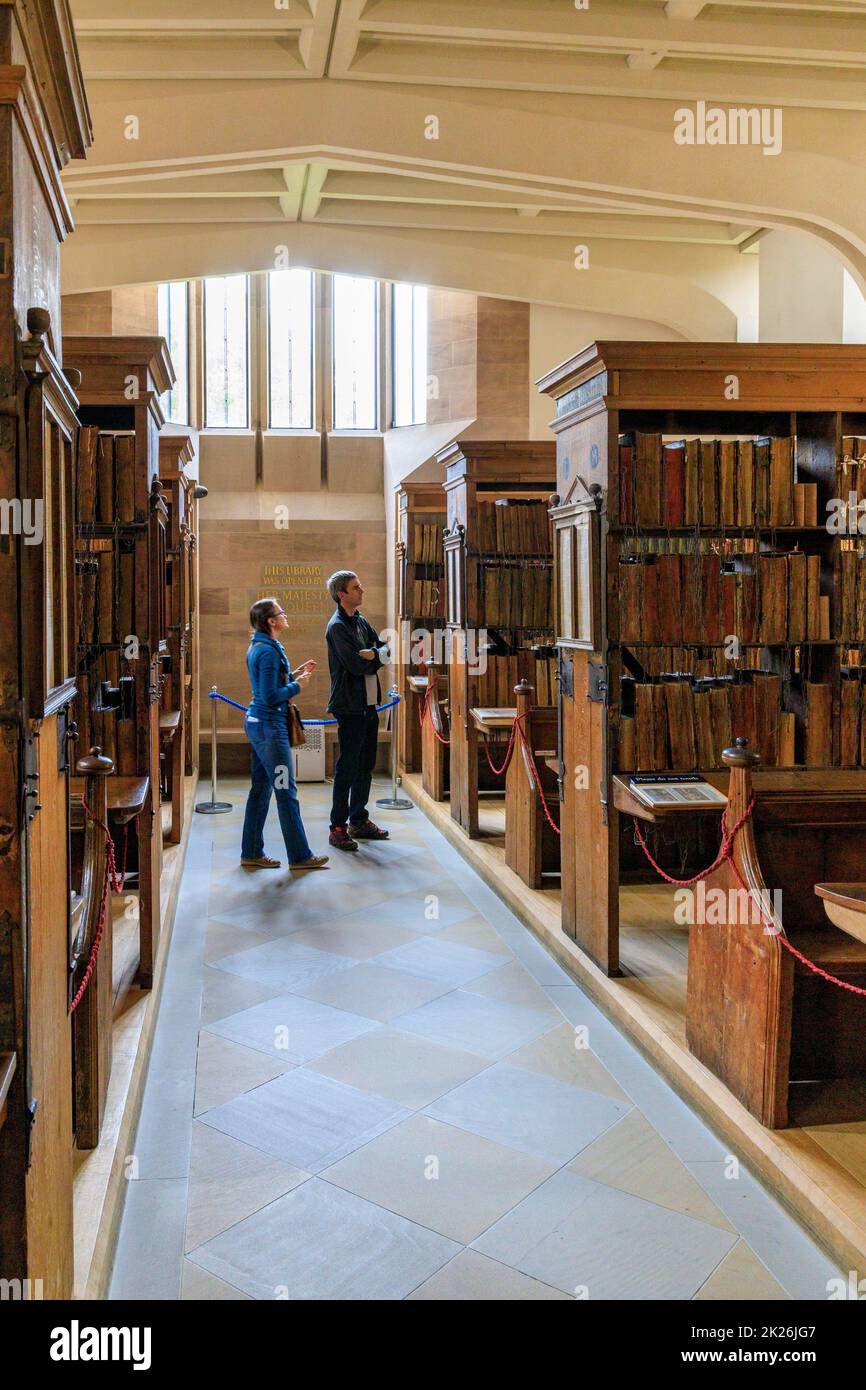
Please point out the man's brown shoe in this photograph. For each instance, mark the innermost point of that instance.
(263, 863)
(315, 861)
(340, 838)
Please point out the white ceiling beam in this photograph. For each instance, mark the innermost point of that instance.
(644, 60)
(314, 182)
(294, 177)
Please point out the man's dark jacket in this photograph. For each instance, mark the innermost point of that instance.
(346, 636)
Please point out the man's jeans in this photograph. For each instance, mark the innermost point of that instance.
(358, 735)
(273, 770)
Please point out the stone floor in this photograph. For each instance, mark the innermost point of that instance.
(374, 1083)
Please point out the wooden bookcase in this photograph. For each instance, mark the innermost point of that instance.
(44, 123)
(482, 599)
(176, 712)
(420, 585)
(122, 526)
(723, 567)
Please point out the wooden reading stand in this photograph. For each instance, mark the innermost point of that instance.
(778, 1035)
(531, 844)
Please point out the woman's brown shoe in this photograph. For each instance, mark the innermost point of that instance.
(263, 863)
(315, 861)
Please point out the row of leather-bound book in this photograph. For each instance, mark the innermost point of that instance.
(516, 595)
(512, 526)
(851, 468)
(769, 597)
(494, 688)
(712, 482)
(677, 724)
(105, 477)
(427, 541)
(106, 586)
(428, 598)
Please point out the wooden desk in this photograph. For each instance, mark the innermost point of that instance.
(489, 719)
(127, 798)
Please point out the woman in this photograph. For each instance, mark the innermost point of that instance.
(266, 727)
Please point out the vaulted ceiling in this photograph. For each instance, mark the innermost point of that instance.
(468, 144)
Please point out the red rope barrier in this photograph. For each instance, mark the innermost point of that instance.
(499, 771)
(535, 774)
(726, 851)
(423, 714)
(109, 878)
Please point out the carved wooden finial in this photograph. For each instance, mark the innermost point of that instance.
(38, 322)
(741, 755)
(73, 376)
(94, 761)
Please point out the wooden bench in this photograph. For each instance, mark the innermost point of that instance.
(531, 843)
(435, 755)
(778, 1035)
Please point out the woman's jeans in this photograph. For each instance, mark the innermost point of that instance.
(272, 770)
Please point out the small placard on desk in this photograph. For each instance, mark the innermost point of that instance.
(676, 793)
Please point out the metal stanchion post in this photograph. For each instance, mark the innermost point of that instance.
(394, 802)
(213, 807)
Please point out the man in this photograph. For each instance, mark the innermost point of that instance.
(354, 657)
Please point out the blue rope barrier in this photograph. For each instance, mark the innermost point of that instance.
(214, 695)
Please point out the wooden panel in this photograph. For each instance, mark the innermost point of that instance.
(49, 1181)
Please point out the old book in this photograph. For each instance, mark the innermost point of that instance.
(747, 608)
(797, 584)
(819, 731)
(860, 604)
(124, 477)
(848, 569)
(105, 597)
(709, 482)
(670, 598)
(781, 482)
(88, 445)
(703, 723)
(644, 726)
(849, 723)
(787, 738)
(627, 750)
(728, 603)
(824, 617)
(126, 592)
(727, 482)
(680, 721)
(661, 745)
(743, 712)
(813, 593)
(105, 479)
(768, 704)
(762, 481)
(863, 725)
(650, 622)
(773, 598)
(691, 483)
(648, 474)
(626, 480)
(745, 487)
(720, 713)
(673, 510)
(799, 505)
(631, 599)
